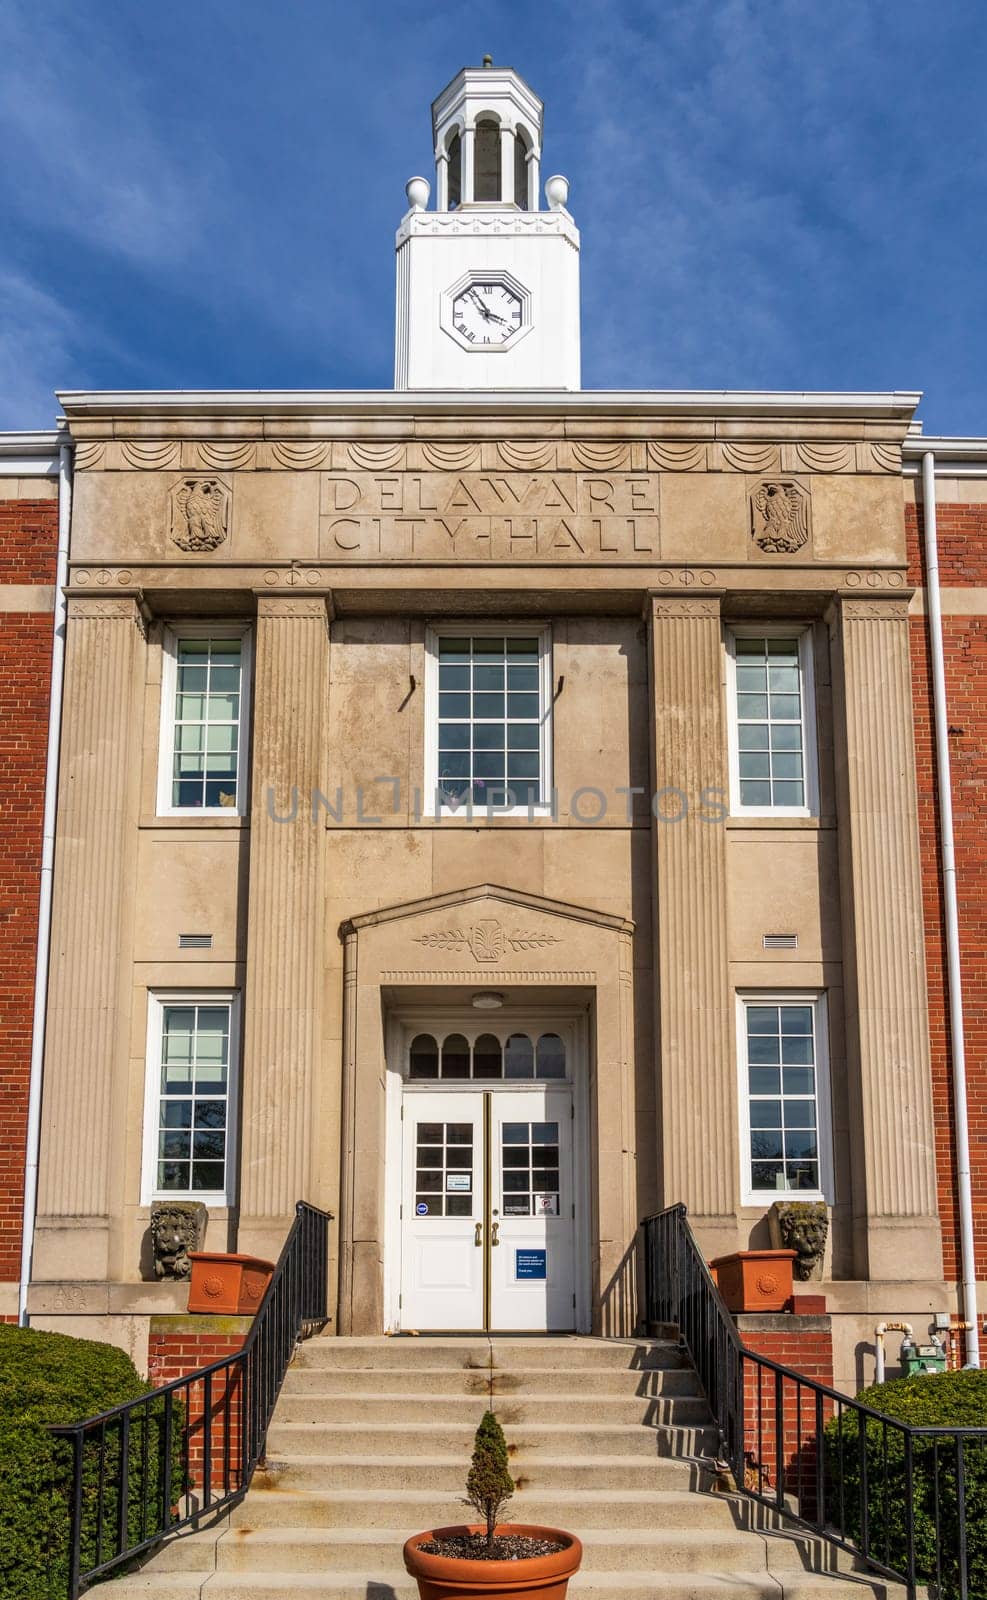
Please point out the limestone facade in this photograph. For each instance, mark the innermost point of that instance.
(342, 529)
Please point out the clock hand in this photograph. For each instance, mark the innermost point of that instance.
(479, 304)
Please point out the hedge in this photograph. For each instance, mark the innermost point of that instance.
(943, 1400)
(52, 1378)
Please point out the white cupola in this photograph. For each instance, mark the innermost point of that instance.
(487, 282)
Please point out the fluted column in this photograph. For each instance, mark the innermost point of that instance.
(894, 1186)
(285, 957)
(88, 1009)
(698, 1095)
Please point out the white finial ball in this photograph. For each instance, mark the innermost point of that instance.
(418, 191)
(556, 191)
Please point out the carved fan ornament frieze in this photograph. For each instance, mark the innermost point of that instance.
(521, 455)
(779, 516)
(487, 940)
(200, 509)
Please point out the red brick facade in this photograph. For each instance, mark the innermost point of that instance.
(177, 1352)
(962, 539)
(806, 1345)
(28, 538)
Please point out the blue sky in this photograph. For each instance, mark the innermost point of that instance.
(771, 193)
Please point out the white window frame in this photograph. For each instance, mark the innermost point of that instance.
(774, 630)
(816, 998)
(489, 629)
(174, 632)
(157, 1000)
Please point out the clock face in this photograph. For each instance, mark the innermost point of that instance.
(486, 313)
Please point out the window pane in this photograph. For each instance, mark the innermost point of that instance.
(423, 1062)
(206, 719)
(769, 720)
(519, 1057)
(488, 1059)
(782, 1110)
(455, 1057)
(550, 1063)
(479, 721)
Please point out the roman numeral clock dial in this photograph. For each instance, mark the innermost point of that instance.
(487, 313)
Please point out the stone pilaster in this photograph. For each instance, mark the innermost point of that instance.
(282, 994)
(86, 1046)
(894, 1191)
(698, 1095)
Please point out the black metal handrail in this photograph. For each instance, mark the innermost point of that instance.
(899, 1497)
(156, 1465)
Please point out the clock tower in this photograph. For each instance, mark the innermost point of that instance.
(488, 281)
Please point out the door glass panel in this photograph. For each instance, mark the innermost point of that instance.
(443, 1169)
(530, 1169)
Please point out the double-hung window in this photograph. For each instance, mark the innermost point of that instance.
(488, 712)
(204, 720)
(771, 721)
(784, 1097)
(190, 1104)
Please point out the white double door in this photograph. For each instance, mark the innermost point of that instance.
(488, 1210)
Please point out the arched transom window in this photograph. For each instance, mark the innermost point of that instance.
(514, 1057)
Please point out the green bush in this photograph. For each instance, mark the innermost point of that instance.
(945, 1400)
(51, 1378)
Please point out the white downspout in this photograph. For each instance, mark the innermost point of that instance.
(47, 862)
(968, 1265)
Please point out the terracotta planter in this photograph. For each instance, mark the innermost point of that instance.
(755, 1280)
(538, 1578)
(227, 1285)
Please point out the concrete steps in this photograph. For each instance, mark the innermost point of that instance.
(371, 1441)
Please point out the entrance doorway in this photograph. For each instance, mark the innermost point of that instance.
(491, 1208)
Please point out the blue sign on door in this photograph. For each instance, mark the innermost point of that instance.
(530, 1264)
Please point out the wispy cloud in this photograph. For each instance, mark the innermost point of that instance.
(37, 338)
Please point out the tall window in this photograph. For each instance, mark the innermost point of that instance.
(204, 691)
(189, 1109)
(784, 1097)
(489, 710)
(771, 721)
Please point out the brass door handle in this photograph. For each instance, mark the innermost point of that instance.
(494, 1230)
(478, 1234)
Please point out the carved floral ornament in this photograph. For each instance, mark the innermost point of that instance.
(764, 458)
(487, 940)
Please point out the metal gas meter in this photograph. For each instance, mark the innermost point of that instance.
(918, 1358)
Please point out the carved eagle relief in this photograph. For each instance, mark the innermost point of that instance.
(780, 517)
(199, 511)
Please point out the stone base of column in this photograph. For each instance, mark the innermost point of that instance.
(71, 1249)
(899, 1247)
(263, 1236)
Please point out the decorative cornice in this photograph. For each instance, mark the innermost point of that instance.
(754, 459)
(485, 224)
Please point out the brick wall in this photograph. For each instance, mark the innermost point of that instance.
(178, 1347)
(806, 1345)
(962, 538)
(28, 537)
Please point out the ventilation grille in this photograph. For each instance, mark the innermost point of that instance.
(195, 941)
(780, 941)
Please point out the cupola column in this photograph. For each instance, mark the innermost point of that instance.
(507, 195)
(469, 161)
(534, 180)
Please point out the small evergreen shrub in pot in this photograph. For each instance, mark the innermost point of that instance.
(943, 1400)
(492, 1559)
(52, 1378)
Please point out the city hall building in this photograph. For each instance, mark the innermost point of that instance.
(490, 811)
